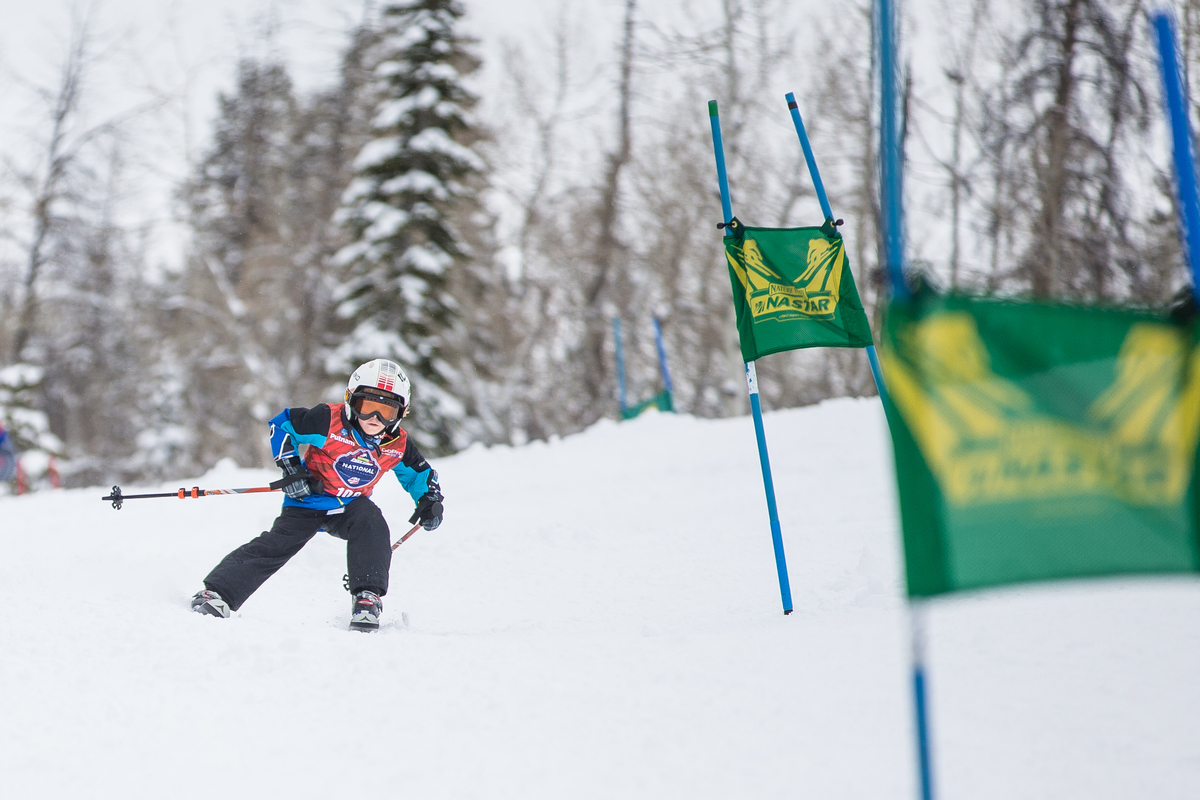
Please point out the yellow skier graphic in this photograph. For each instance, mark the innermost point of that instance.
(986, 441)
(812, 295)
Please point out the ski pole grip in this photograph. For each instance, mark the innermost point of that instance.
(282, 482)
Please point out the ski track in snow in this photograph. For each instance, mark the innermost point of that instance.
(597, 618)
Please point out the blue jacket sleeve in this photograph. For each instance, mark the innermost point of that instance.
(294, 426)
(415, 474)
(281, 441)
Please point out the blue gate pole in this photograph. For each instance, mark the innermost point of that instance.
(877, 373)
(890, 173)
(917, 615)
(785, 589)
(827, 210)
(662, 356)
(620, 363)
(892, 198)
(719, 149)
(1176, 102)
(809, 157)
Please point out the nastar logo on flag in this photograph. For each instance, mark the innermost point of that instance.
(812, 294)
(792, 288)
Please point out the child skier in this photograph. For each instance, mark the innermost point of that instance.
(350, 446)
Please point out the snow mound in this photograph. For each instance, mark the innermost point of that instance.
(597, 618)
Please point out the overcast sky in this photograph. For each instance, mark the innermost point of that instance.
(193, 45)
(187, 51)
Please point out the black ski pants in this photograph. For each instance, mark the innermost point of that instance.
(361, 524)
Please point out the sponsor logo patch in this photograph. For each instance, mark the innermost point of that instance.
(356, 468)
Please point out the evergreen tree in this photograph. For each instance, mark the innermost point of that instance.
(250, 321)
(417, 232)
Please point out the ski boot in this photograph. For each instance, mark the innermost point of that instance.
(365, 611)
(209, 602)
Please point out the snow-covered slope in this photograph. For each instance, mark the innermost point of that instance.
(597, 618)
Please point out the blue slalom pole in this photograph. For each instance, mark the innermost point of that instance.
(620, 363)
(892, 198)
(809, 157)
(719, 149)
(877, 373)
(1176, 102)
(889, 150)
(785, 590)
(662, 356)
(917, 612)
(827, 210)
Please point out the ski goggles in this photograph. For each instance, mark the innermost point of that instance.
(385, 409)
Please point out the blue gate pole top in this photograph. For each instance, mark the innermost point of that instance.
(1176, 102)
(809, 158)
(719, 148)
(892, 194)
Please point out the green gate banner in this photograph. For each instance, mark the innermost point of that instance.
(662, 401)
(1041, 442)
(792, 288)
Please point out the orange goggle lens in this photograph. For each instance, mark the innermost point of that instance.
(367, 408)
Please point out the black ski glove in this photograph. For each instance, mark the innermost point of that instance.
(429, 510)
(304, 483)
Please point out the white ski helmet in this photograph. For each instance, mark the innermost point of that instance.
(381, 378)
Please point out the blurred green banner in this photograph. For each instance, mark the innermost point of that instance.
(1040, 442)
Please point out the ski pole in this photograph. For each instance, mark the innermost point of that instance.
(404, 538)
(118, 499)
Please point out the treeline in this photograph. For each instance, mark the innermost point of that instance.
(487, 246)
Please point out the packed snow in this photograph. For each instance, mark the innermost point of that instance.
(598, 617)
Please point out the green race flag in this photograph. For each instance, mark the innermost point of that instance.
(792, 288)
(1040, 442)
(662, 401)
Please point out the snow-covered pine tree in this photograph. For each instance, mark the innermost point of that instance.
(415, 222)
